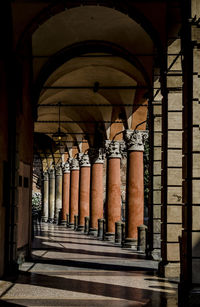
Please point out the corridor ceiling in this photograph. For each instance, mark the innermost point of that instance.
(95, 89)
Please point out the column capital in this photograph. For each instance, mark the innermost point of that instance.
(66, 167)
(74, 164)
(97, 155)
(135, 139)
(58, 169)
(85, 160)
(115, 149)
(51, 173)
(45, 176)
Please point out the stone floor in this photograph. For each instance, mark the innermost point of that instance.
(69, 268)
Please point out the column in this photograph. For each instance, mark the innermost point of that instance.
(65, 192)
(84, 191)
(58, 198)
(135, 184)
(96, 193)
(113, 201)
(45, 196)
(74, 191)
(51, 194)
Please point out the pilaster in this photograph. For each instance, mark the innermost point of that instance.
(171, 184)
(189, 287)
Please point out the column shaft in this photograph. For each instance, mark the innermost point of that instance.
(74, 195)
(51, 196)
(135, 193)
(58, 199)
(113, 211)
(96, 205)
(65, 195)
(46, 197)
(84, 195)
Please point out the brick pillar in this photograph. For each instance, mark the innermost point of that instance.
(171, 191)
(189, 293)
(155, 146)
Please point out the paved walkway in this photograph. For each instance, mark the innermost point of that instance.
(71, 269)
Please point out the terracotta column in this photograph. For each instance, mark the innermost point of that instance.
(74, 191)
(96, 193)
(135, 186)
(113, 202)
(45, 197)
(51, 194)
(84, 191)
(58, 198)
(65, 192)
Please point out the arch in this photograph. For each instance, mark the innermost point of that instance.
(81, 48)
(123, 6)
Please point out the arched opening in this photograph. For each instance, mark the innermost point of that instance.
(96, 70)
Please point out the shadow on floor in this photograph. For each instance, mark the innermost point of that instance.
(9, 304)
(142, 296)
(40, 242)
(92, 265)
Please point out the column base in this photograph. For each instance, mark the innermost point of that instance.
(130, 243)
(169, 269)
(155, 254)
(71, 225)
(55, 221)
(50, 220)
(109, 236)
(44, 219)
(80, 228)
(93, 232)
(63, 223)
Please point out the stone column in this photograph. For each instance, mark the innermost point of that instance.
(84, 191)
(58, 197)
(135, 184)
(74, 191)
(65, 192)
(96, 193)
(45, 197)
(113, 201)
(51, 194)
